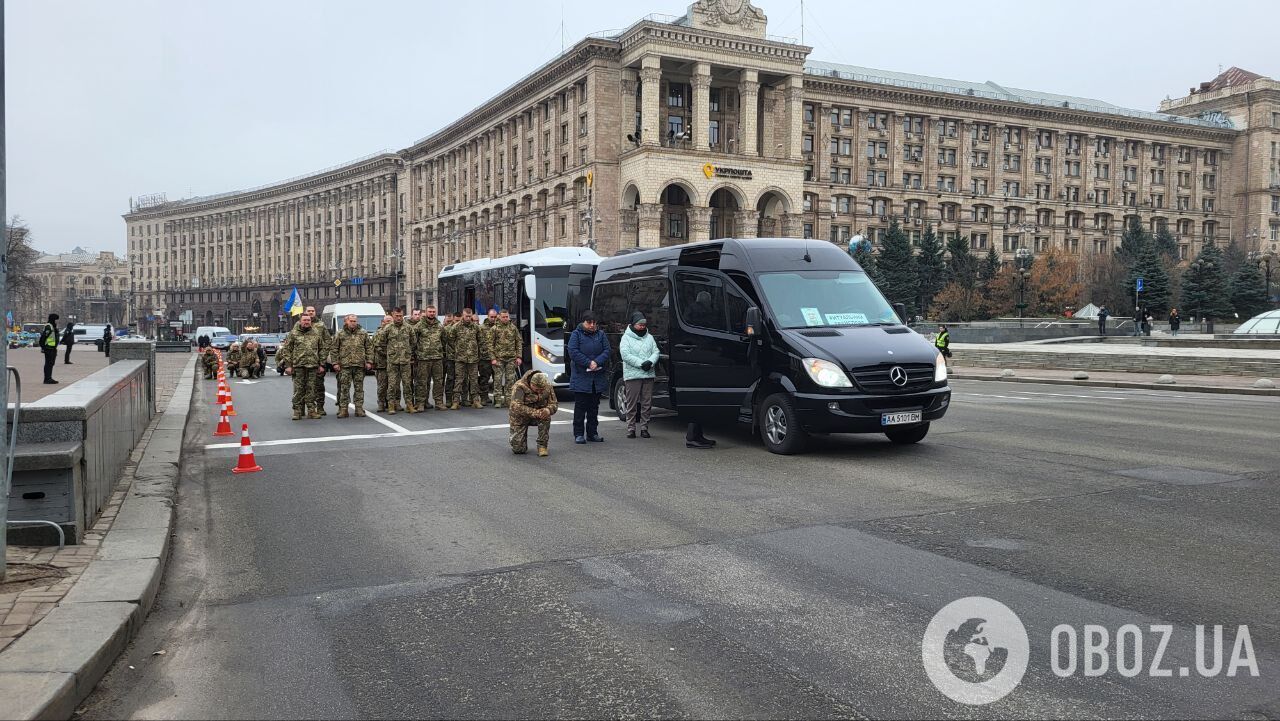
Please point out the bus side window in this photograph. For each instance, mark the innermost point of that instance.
(651, 297)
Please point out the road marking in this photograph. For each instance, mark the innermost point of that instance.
(246, 383)
(393, 426)
(368, 436)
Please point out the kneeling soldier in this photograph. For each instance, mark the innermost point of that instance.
(351, 355)
(210, 364)
(533, 402)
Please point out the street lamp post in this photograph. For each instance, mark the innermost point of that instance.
(1263, 259)
(1022, 257)
(1198, 266)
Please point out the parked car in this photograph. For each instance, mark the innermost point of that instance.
(89, 333)
(270, 342)
(223, 341)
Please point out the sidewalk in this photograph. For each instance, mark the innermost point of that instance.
(1118, 379)
(47, 668)
(85, 359)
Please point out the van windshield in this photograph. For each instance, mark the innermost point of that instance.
(832, 298)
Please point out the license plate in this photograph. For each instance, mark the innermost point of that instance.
(894, 419)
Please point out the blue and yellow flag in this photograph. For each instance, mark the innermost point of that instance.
(294, 305)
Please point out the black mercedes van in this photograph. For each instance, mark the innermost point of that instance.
(787, 335)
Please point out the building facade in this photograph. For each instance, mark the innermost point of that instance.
(680, 129)
(79, 286)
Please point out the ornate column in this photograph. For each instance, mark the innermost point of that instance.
(629, 227)
(650, 99)
(748, 113)
(699, 224)
(793, 225)
(650, 225)
(745, 223)
(701, 120)
(795, 117)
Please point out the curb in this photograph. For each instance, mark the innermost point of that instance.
(1121, 384)
(56, 664)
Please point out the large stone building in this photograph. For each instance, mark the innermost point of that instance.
(79, 286)
(703, 126)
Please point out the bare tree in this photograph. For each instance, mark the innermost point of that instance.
(19, 255)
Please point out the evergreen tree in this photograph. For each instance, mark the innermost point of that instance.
(1233, 256)
(990, 266)
(931, 267)
(1133, 240)
(862, 251)
(1204, 285)
(962, 266)
(1248, 291)
(1149, 266)
(896, 267)
(1166, 245)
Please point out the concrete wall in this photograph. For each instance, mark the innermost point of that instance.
(981, 333)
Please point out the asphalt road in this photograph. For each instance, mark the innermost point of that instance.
(423, 570)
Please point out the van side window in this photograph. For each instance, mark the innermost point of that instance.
(736, 309)
(650, 296)
(701, 301)
(611, 306)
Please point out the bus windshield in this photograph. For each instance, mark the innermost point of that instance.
(825, 298)
(550, 308)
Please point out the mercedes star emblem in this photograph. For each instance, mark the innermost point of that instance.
(898, 376)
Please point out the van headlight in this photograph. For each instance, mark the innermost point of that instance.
(939, 369)
(826, 374)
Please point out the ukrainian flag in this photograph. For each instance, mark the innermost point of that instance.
(294, 305)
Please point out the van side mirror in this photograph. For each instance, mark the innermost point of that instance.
(755, 328)
(531, 286)
(901, 310)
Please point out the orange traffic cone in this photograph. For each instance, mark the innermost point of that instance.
(231, 406)
(222, 397)
(247, 464)
(224, 426)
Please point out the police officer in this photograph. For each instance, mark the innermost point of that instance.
(305, 350)
(351, 355)
(398, 337)
(379, 344)
(428, 362)
(469, 346)
(49, 346)
(943, 341)
(507, 349)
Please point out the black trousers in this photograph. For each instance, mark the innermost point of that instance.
(586, 414)
(50, 357)
(67, 357)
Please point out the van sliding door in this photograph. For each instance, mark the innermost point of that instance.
(710, 367)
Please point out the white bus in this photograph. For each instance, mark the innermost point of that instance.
(544, 290)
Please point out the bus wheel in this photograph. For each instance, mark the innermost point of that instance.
(780, 426)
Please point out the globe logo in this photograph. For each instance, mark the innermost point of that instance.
(975, 650)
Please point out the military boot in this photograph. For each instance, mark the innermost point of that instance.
(408, 408)
(543, 452)
(391, 410)
(455, 406)
(297, 415)
(315, 416)
(477, 404)
(381, 408)
(342, 413)
(359, 412)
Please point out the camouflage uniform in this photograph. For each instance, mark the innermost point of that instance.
(210, 362)
(350, 350)
(379, 344)
(450, 377)
(233, 360)
(247, 364)
(317, 393)
(532, 395)
(428, 364)
(505, 346)
(305, 351)
(469, 346)
(484, 371)
(398, 338)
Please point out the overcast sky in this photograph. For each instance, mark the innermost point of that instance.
(108, 99)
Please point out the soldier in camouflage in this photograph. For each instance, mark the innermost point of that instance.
(317, 393)
(428, 357)
(351, 354)
(399, 342)
(379, 344)
(533, 402)
(469, 346)
(210, 361)
(507, 350)
(304, 350)
(450, 326)
(485, 370)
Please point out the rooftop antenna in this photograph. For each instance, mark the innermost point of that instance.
(802, 22)
(562, 41)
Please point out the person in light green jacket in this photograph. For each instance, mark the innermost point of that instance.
(639, 353)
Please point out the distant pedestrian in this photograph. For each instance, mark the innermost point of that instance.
(106, 340)
(1175, 321)
(69, 340)
(943, 341)
(1103, 315)
(49, 346)
(202, 342)
(1146, 321)
(588, 356)
(639, 353)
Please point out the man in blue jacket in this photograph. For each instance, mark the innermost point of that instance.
(588, 358)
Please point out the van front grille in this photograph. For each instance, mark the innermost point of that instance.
(878, 379)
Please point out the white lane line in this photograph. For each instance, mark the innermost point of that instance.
(368, 436)
(393, 426)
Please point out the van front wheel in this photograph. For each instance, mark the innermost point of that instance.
(907, 436)
(620, 399)
(780, 426)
